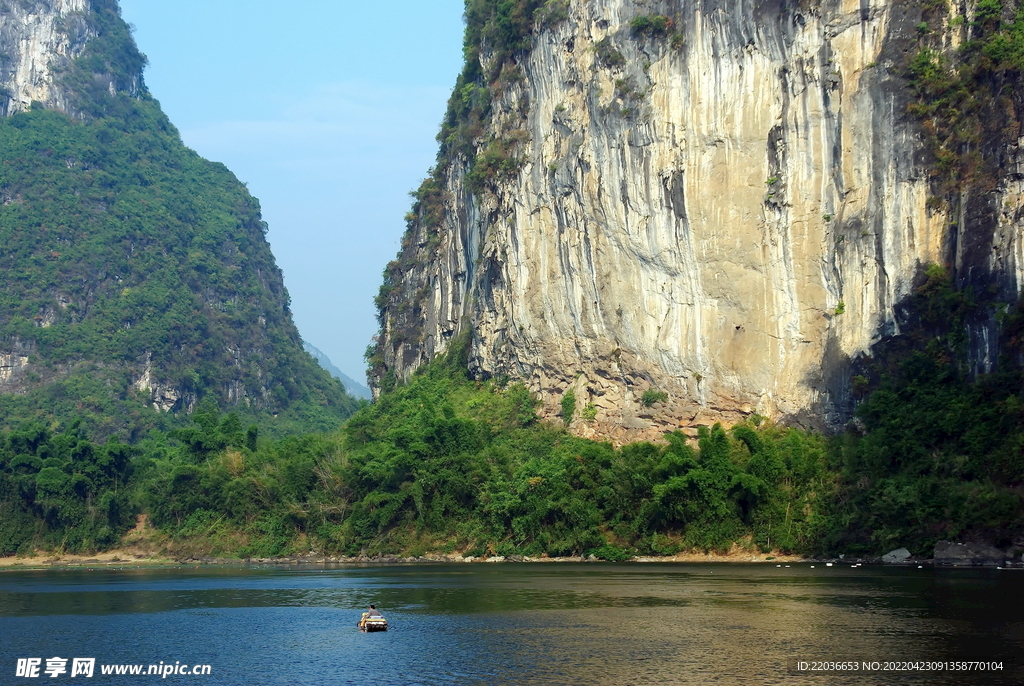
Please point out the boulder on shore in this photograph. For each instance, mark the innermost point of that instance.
(896, 556)
(948, 553)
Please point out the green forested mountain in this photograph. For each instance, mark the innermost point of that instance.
(136, 277)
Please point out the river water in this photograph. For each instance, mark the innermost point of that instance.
(517, 624)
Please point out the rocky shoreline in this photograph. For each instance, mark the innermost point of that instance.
(946, 554)
(128, 558)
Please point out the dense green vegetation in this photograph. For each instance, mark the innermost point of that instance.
(122, 249)
(957, 90)
(940, 455)
(61, 491)
(445, 463)
(441, 463)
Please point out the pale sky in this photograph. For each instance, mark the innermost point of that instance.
(328, 110)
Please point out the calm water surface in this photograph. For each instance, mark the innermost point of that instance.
(515, 623)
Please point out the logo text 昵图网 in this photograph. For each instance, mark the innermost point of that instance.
(53, 667)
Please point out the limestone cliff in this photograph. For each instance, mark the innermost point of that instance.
(724, 202)
(39, 39)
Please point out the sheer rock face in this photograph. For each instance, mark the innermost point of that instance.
(729, 217)
(37, 39)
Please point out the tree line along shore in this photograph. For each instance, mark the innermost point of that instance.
(448, 465)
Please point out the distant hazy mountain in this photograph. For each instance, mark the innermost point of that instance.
(352, 386)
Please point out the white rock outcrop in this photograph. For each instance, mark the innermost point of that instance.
(11, 365)
(728, 217)
(38, 38)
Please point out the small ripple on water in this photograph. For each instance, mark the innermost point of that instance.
(514, 624)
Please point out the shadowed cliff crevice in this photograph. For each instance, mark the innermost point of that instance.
(970, 330)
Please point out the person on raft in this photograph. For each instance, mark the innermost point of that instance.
(372, 613)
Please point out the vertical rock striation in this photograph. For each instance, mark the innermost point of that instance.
(726, 208)
(38, 39)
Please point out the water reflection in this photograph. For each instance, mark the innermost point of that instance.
(518, 624)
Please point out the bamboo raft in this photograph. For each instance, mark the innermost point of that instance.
(376, 623)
